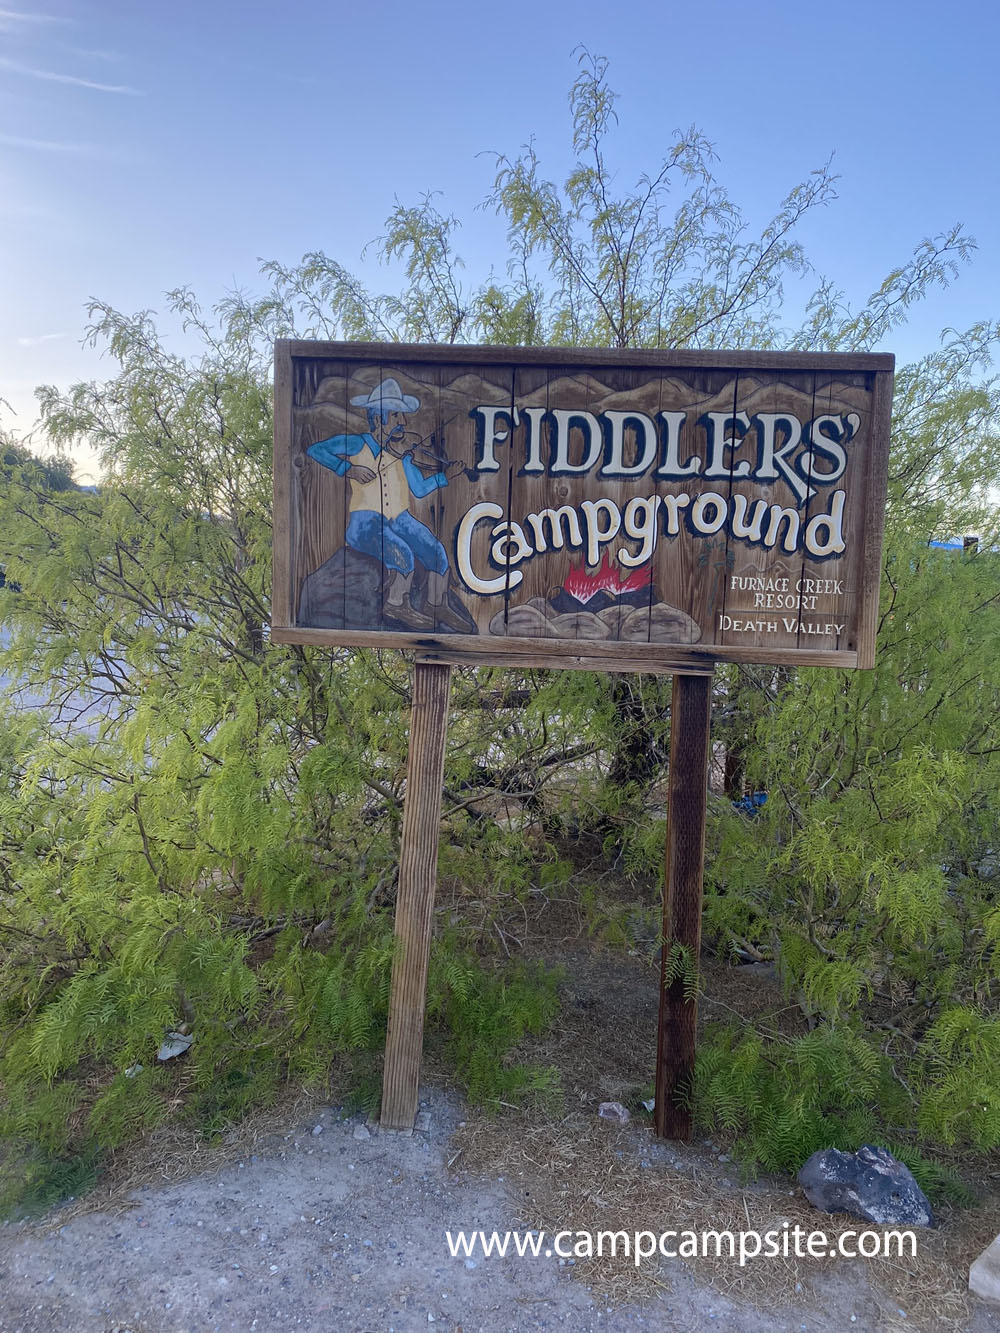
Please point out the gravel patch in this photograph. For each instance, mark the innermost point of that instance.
(328, 1229)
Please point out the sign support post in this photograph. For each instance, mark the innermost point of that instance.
(690, 722)
(415, 894)
(580, 509)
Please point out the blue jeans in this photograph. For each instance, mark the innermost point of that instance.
(396, 541)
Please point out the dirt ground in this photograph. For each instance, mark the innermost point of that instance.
(320, 1229)
(306, 1218)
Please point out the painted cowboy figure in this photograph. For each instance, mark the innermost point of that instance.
(383, 478)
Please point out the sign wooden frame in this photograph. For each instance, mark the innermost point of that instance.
(778, 431)
(723, 582)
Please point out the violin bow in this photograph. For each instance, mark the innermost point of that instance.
(428, 455)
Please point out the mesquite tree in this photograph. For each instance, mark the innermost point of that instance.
(200, 828)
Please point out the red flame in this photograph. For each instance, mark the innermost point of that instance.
(583, 586)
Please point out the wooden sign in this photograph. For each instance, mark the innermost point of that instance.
(580, 508)
(615, 511)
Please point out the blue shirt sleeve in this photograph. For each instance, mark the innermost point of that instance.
(419, 484)
(335, 452)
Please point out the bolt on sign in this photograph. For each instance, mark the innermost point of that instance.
(580, 508)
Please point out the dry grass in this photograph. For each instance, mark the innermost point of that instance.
(585, 1174)
(173, 1153)
(577, 1172)
(573, 1171)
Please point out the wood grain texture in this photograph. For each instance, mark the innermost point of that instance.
(551, 653)
(415, 894)
(840, 608)
(569, 515)
(874, 511)
(593, 356)
(579, 660)
(457, 389)
(692, 574)
(744, 617)
(690, 722)
(283, 517)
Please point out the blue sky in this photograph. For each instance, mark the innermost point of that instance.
(144, 147)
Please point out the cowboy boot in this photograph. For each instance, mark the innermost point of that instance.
(397, 603)
(445, 617)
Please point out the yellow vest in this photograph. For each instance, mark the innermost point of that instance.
(388, 493)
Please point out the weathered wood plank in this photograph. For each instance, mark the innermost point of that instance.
(874, 509)
(470, 611)
(690, 722)
(579, 661)
(760, 594)
(596, 356)
(691, 573)
(415, 894)
(321, 413)
(563, 477)
(656, 657)
(285, 508)
(848, 394)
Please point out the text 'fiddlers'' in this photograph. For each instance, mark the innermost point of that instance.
(635, 510)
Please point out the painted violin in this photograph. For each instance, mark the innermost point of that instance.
(428, 450)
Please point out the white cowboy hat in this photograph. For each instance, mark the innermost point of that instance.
(387, 397)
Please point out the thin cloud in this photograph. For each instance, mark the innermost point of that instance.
(94, 53)
(44, 145)
(52, 76)
(19, 16)
(39, 339)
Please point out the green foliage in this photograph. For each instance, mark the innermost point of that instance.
(130, 1105)
(681, 967)
(239, 1087)
(782, 1101)
(200, 827)
(487, 1015)
(868, 875)
(31, 1185)
(941, 1183)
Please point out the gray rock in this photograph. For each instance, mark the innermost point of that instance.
(661, 624)
(984, 1275)
(175, 1043)
(538, 618)
(346, 592)
(362, 1133)
(870, 1183)
(763, 971)
(614, 1111)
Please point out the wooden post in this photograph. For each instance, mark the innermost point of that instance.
(415, 894)
(690, 723)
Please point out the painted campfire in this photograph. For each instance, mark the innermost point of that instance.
(610, 603)
(482, 502)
